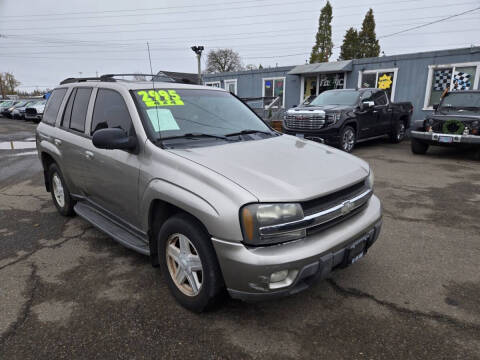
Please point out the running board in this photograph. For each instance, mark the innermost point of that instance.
(117, 232)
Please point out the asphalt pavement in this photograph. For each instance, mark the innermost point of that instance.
(69, 291)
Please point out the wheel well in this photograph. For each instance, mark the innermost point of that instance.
(353, 125)
(159, 212)
(47, 160)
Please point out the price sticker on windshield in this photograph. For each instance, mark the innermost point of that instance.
(152, 98)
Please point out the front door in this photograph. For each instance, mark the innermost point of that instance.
(113, 174)
(383, 112)
(367, 118)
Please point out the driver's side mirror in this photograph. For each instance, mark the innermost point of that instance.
(365, 105)
(113, 138)
(435, 107)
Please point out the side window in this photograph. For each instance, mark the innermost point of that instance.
(67, 113)
(79, 109)
(380, 98)
(53, 105)
(367, 96)
(110, 111)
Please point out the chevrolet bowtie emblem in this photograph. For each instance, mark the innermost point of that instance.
(347, 206)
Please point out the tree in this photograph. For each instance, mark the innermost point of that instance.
(223, 60)
(8, 83)
(369, 46)
(322, 50)
(350, 48)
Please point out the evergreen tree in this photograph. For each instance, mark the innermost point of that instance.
(369, 46)
(350, 48)
(322, 50)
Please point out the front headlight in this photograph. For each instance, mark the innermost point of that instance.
(332, 118)
(254, 217)
(370, 179)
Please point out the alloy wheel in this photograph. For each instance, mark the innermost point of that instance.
(348, 140)
(401, 131)
(184, 264)
(58, 190)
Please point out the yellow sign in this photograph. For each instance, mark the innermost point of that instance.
(153, 98)
(384, 82)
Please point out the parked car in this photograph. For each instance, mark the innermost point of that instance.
(35, 111)
(193, 178)
(345, 117)
(19, 110)
(454, 122)
(6, 105)
(9, 111)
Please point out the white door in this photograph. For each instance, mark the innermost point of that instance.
(231, 86)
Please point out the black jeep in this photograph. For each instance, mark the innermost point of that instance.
(454, 122)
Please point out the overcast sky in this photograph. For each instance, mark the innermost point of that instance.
(45, 41)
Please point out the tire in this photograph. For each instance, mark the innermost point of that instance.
(398, 134)
(60, 194)
(419, 147)
(348, 138)
(197, 253)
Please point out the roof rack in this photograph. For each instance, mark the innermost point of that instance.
(111, 77)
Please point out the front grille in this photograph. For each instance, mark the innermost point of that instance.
(328, 201)
(322, 227)
(304, 123)
(31, 111)
(437, 126)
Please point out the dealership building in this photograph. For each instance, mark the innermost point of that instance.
(418, 77)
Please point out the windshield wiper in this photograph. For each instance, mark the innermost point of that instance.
(195, 135)
(248, 131)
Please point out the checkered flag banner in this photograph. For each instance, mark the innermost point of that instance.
(461, 81)
(442, 79)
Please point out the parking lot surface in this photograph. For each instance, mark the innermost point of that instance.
(69, 291)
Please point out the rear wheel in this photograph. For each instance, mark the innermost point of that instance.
(189, 263)
(59, 190)
(419, 147)
(348, 138)
(399, 132)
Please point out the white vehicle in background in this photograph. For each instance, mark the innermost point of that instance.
(35, 111)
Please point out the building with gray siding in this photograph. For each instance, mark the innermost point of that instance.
(417, 77)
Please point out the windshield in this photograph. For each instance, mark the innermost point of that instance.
(180, 112)
(336, 98)
(461, 101)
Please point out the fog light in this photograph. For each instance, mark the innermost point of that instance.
(278, 276)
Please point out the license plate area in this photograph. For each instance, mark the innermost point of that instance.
(445, 139)
(301, 136)
(355, 251)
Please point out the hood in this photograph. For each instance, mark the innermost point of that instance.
(325, 108)
(281, 168)
(36, 107)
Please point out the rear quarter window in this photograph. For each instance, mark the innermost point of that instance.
(53, 105)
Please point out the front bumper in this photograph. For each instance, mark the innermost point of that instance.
(247, 271)
(330, 135)
(434, 138)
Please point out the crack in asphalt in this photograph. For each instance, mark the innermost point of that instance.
(37, 197)
(448, 320)
(26, 256)
(26, 309)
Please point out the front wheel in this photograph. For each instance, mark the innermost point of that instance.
(348, 139)
(419, 147)
(398, 133)
(189, 263)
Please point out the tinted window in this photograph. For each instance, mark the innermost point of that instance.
(68, 110)
(53, 105)
(347, 97)
(79, 109)
(367, 96)
(110, 111)
(380, 98)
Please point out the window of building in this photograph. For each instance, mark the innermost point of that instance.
(274, 88)
(110, 111)
(231, 85)
(309, 88)
(452, 77)
(213, 83)
(53, 105)
(314, 85)
(384, 79)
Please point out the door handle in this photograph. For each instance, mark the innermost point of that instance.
(89, 155)
(57, 142)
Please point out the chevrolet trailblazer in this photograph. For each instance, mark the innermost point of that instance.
(191, 177)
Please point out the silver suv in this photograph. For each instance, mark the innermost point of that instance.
(191, 177)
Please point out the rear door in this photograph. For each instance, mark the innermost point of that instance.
(112, 174)
(72, 140)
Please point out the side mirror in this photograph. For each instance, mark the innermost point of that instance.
(435, 107)
(367, 105)
(113, 138)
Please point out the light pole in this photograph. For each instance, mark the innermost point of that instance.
(198, 50)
